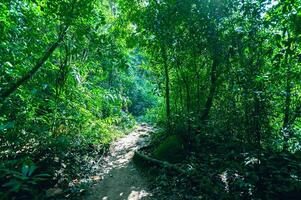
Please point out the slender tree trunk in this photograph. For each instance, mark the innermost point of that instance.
(180, 90)
(167, 89)
(198, 92)
(188, 101)
(213, 86)
(286, 128)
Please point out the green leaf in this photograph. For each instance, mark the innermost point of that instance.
(9, 125)
(25, 170)
(31, 170)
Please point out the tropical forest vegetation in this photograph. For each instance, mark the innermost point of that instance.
(210, 89)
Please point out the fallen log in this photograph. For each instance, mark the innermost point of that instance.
(159, 163)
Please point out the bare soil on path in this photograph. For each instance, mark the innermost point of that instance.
(120, 178)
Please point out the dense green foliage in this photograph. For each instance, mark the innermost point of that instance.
(230, 78)
(221, 75)
(68, 88)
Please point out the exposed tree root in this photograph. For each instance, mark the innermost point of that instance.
(163, 164)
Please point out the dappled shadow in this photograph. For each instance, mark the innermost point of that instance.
(125, 183)
(120, 178)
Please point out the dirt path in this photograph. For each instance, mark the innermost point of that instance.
(121, 180)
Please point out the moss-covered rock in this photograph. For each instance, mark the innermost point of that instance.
(171, 149)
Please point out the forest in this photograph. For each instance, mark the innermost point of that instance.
(150, 99)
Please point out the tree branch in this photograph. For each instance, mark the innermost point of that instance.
(6, 93)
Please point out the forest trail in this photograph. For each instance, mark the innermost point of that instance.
(121, 180)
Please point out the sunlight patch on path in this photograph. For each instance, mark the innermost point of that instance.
(121, 180)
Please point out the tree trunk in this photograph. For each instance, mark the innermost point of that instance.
(167, 89)
(213, 86)
(6, 93)
(286, 128)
